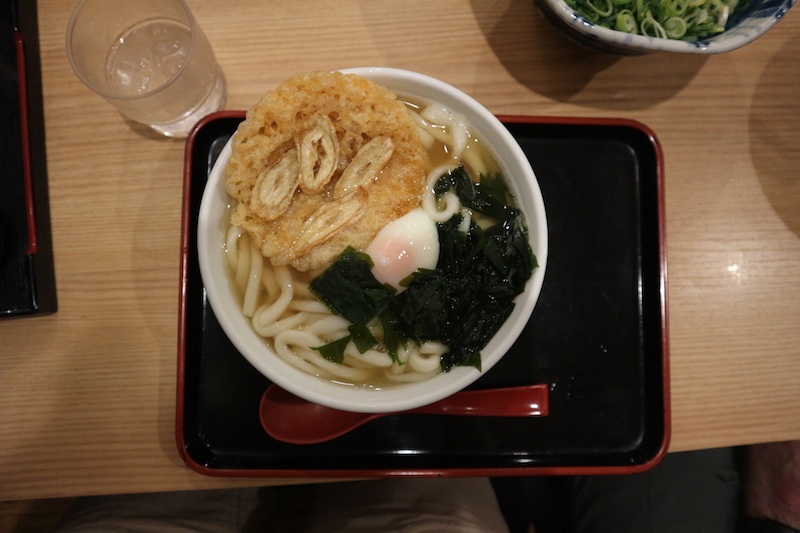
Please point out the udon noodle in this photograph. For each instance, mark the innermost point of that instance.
(285, 313)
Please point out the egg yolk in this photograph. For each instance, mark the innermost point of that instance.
(403, 246)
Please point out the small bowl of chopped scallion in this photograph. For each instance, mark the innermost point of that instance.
(683, 26)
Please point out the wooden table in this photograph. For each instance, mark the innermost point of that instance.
(87, 395)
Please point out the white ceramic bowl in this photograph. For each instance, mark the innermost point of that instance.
(743, 28)
(213, 222)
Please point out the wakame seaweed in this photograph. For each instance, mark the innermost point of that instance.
(349, 289)
(471, 293)
(334, 351)
(490, 196)
(462, 302)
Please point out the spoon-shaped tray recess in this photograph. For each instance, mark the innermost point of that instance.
(291, 419)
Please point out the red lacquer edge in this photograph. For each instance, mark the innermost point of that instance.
(186, 209)
(180, 386)
(456, 472)
(30, 211)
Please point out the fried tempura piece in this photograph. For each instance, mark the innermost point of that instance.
(389, 173)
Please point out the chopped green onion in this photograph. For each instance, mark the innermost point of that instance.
(626, 21)
(604, 13)
(677, 8)
(673, 19)
(675, 28)
(650, 27)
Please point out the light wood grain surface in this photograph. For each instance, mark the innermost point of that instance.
(87, 396)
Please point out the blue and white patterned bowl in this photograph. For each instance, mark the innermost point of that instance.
(743, 28)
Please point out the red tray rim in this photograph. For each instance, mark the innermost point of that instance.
(427, 472)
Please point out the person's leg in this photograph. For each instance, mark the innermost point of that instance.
(772, 488)
(209, 511)
(408, 505)
(688, 492)
(398, 504)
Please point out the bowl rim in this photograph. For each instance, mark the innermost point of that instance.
(219, 291)
(724, 42)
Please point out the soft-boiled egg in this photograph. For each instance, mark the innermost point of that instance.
(403, 246)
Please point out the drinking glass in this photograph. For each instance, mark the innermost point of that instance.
(149, 59)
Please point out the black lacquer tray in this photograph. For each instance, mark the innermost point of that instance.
(597, 336)
(27, 272)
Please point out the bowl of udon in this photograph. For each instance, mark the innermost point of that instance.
(372, 239)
